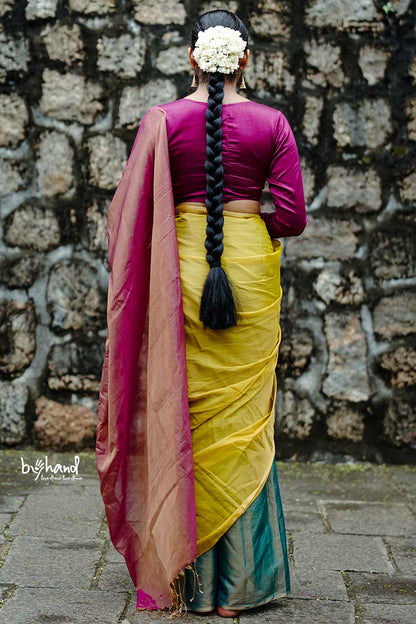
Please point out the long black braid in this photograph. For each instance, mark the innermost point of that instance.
(217, 308)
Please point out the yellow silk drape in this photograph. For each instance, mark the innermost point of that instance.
(231, 373)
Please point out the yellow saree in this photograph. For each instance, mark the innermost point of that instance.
(231, 373)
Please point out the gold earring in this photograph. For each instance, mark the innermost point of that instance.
(194, 83)
(243, 83)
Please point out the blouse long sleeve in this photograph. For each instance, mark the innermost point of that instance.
(284, 178)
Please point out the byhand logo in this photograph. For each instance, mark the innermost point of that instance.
(58, 472)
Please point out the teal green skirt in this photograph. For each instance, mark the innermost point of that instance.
(249, 565)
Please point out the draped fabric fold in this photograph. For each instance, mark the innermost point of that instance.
(232, 382)
(143, 444)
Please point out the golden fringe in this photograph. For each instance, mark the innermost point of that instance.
(178, 607)
(177, 591)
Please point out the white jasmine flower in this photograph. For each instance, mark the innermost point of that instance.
(218, 49)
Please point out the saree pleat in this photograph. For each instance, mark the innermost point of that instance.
(231, 373)
(249, 564)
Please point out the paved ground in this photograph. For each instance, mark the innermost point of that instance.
(351, 530)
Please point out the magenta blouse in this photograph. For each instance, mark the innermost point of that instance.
(258, 146)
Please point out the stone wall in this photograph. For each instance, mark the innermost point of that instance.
(78, 76)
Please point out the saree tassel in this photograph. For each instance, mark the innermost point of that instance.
(177, 592)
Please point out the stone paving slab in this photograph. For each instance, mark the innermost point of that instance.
(116, 577)
(386, 614)
(306, 521)
(62, 606)
(317, 583)
(351, 530)
(75, 513)
(379, 588)
(4, 546)
(371, 518)
(148, 617)
(4, 521)
(297, 611)
(360, 482)
(112, 555)
(404, 553)
(51, 562)
(10, 503)
(342, 552)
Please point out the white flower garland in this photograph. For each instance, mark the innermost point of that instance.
(218, 49)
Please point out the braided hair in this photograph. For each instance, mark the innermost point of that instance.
(217, 308)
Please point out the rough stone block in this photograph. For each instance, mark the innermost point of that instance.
(76, 367)
(108, 155)
(373, 62)
(269, 72)
(17, 328)
(407, 188)
(327, 238)
(100, 7)
(311, 119)
(63, 427)
(324, 65)
(399, 366)
(308, 179)
(395, 315)
(174, 60)
(70, 97)
(11, 179)
(96, 226)
(296, 416)
(13, 400)
(393, 252)
(342, 14)
(136, 101)
(346, 289)
(348, 188)
(295, 353)
(21, 270)
(55, 164)
(14, 55)
(13, 119)
(164, 12)
(410, 110)
(346, 376)
(345, 423)
(368, 124)
(123, 55)
(75, 297)
(6, 6)
(64, 43)
(412, 70)
(33, 226)
(270, 18)
(399, 423)
(40, 9)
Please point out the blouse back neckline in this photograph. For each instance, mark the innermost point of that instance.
(224, 104)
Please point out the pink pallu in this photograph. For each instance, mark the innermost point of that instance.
(143, 446)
